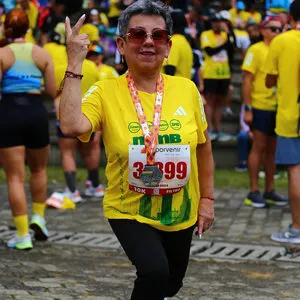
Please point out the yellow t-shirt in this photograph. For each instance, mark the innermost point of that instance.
(114, 10)
(181, 56)
(255, 17)
(92, 32)
(57, 52)
(284, 60)
(239, 19)
(32, 14)
(104, 19)
(109, 107)
(261, 97)
(107, 72)
(216, 66)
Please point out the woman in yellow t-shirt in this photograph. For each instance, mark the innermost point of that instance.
(160, 171)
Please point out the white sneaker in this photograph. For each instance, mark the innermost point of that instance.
(95, 191)
(74, 197)
(38, 225)
(20, 242)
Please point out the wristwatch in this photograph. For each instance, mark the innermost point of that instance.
(248, 107)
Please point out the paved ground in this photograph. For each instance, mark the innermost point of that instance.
(235, 260)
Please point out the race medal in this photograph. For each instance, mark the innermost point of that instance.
(151, 176)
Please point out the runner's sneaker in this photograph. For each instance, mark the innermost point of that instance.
(291, 235)
(88, 183)
(275, 199)
(74, 197)
(95, 191)
(38, 225)
(20, 243)
(255, 199)
(212, 135)
(241, 168)
(224, 137)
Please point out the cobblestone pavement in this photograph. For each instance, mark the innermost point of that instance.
(83, 260)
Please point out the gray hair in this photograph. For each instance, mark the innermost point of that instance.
(145, 7)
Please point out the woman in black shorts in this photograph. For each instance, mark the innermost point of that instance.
(24, 126)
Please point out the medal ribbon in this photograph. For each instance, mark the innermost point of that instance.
(150, 138)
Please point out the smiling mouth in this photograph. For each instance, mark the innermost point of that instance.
(147, 53)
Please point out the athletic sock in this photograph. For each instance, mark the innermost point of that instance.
(38, 208)
(71, 181)
(94, 177)
(21, 223)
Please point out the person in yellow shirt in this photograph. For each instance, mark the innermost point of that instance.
(180, 60)
(96, 54)
(154, 132)
(283, 69)
(260, 112)
(254, 16)
(114, 12)
(57, 49)
(32, 13)
(216, 72)
(90, 29)
(238, 15)
(90, 152)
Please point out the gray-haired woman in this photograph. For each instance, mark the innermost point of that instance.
(156, 167)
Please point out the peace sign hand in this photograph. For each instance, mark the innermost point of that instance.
(77, 44)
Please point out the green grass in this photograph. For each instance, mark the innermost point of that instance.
(223, 178)
(232, 179)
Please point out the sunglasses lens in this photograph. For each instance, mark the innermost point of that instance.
(137, 35)
(159, 35)
(276, 29)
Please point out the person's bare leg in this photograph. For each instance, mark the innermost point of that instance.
(217, 117)
(294, 194)
(13, 163)
(37, 162)
(229, 96)
(91, 152)
(255, 158)
(269, 163)
(209, 109)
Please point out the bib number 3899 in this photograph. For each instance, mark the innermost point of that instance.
(170, 169)
(173, 162)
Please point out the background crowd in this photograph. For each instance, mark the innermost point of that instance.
(207, 37)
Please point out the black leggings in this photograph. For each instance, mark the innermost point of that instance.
(160, 257)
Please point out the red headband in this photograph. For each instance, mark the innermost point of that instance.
(268, 19)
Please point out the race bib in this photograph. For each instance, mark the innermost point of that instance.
(220, 57)
(172, 160)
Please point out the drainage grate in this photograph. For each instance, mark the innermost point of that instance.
(199, 249)
(218, 250)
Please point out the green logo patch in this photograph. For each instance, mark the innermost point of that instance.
(175, 124)
(134, 127)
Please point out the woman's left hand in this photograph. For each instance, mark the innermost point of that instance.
(206, 215)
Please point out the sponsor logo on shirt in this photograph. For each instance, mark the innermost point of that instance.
(180, 111)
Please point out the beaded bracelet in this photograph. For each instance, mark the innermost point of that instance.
(209, 198)
(69, 74)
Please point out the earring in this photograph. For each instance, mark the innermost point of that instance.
(122, 59)
(167, 59)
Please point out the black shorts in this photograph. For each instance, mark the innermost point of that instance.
(60, 134)
(216, 86)
(264, 121)
(23, 121)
